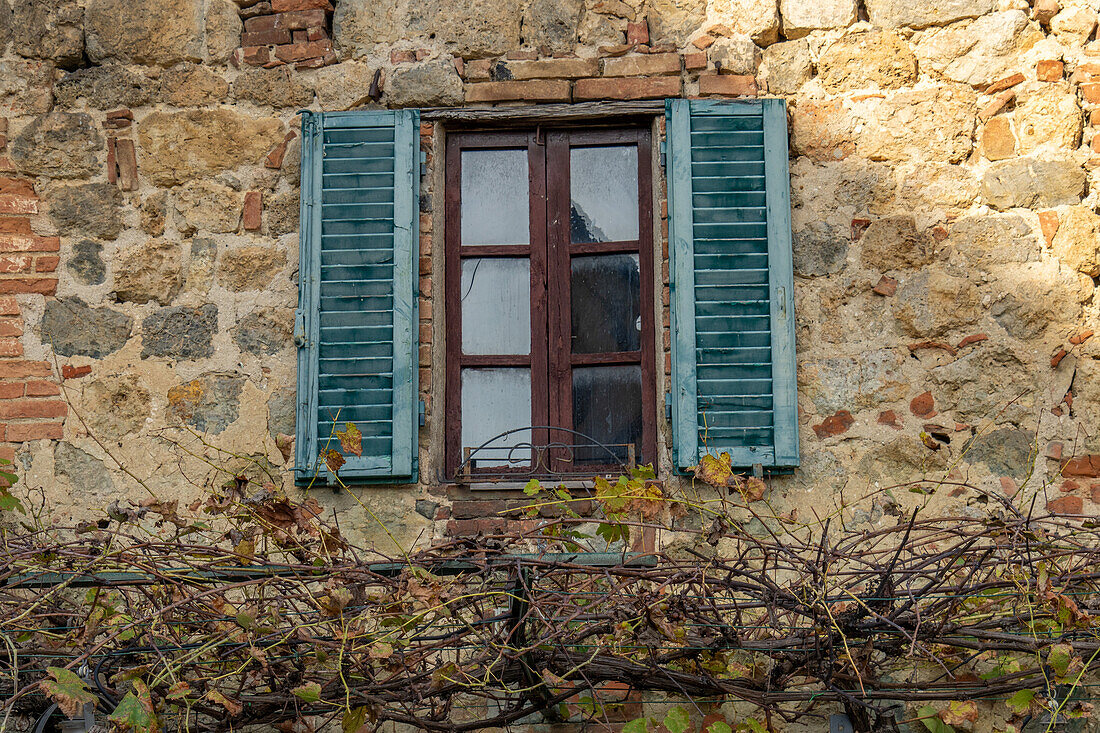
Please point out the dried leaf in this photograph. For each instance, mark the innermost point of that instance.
(960, 714)
(754, 489)
(714, 470)
(67, 690)
(135, 711)
(333, 459)
(285, 444)
(233, 707)
(309, 692)
(351, 439)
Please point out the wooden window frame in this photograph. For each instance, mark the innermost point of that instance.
(550, 251)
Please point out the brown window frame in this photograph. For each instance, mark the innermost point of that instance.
(550, 251)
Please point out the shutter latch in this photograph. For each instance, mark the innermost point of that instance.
(299, 327)
(781, 296)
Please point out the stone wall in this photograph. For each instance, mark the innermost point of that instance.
(946, 236)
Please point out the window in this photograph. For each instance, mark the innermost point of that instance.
(549, 297)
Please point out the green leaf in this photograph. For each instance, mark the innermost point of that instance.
(354, 719)
(135, 711)
(932, 722)
(309, 692)
(755, 725)
(677, 720)
(1058, 657)
(67, 690)
(9, 502)
(613, 532)
(245, 620)
(533, 487)
(719, 726)
(638, 725)
(1021, 701)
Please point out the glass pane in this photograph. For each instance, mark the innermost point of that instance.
(607, 407)
(603, 193)
(495, 207)
(495, 401)
(496, 306)
(605, 300)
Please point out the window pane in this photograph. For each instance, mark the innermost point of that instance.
(495, 209)
(607, 406)
(496, 305)
(603, 192)
(605, 300)
(494, 401)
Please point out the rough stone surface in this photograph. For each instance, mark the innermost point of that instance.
(86, 264)
(900, 13)
(48, 29)
(674, 21)
(1033, 183)
(265, 331)
(758, 19)
(282, 214)
(552, 23)
(819, 249)
(85, 472)
(998, 140)
(207, 206)
(994, 239)
(154, 209)
(980, 52)
(273, 88)
(980, 384)
(735, 55)
(937, 186)
(103, 87)
(357, 25)
(5, 26)
(863, 381)
(932, 303)
(180, 332)
(200, 265)
(1077, 241)
(58, 145)
(472, 29)
(179, 146)
(115, 406)
(209, 404)
(223, 30)
(281, 408)
(879, 59)
(92, 209)
(25, 86)
(1048, 117)
(192, 85)
(150, 271)
(1005, 452)
(895, 243)
(73, 328)
(800, 18)
(1040, 296)
(340, 86)
(165, 32)
(427, 84)
(787, 66)
(250, 268)
(1074, 25)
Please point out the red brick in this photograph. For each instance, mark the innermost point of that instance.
(1091, 92)
(275, 157)
(1002, 84)
(835, 424)
(42, 286)
(298, 20)
(402, 57)
(1066, 505)
(302, 51)
(1054, 450)
(999, 102)
(10, 347)
(1049, 70)
(13, 204)
(16, 263)
(16, 187)
(23, 369)
(23, 432)
(10, 390)
(255, 55)
(266, 38)
(728, 85)
(478, 69)
(15, 226)
(23, 243)
(528, 91)
(554, 69)
(46, 263)
(14, 409)
(695, 61)
(253, 211)
(262, 24)
(973, 338)
(886, 286)
(9, 307)
(42, 388)
(11, 326)
(923, 405)
(647, 65)
(637, 32)
(1086, 466)
(316, 33)
(889, 417)
(1081, 337)
(1048, 222)
(1094, 493)
(68, 371)
(282, 6)
(318, 62)
(517, 55)
(298, 37)
(653, 88)
(703, 42)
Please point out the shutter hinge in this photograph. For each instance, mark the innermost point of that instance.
(758, 470)
(781, 296)
(668, 406)
(423, 163)
(300, 327)
(663, 148)
(422, 412)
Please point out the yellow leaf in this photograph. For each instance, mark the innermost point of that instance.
(333, 459)
(714, 470)
(351, 439)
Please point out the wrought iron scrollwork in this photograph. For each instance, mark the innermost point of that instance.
(554, 459)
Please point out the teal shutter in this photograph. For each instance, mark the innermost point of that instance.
(357, 316)
(733, 368)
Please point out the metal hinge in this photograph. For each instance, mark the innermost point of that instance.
(300, 327)
(840, 723)
(668, 406)
(662, 148)
(423, 413)
(423, 163)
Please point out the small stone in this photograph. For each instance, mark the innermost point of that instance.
(250, 268)
(1032, 183)
(1048, 117)
(276, 87)
(427, 84)
(1054, 450)
(207, 206)
(923, 405)
(72, 328)
(1005, 452)
(834, 425)
(894, 243)
(180, 332)
(757, 19)
(819, 249)
(801, 18)
(86, 474)
(115, 406)
(192, 85)
(735, 55)
(1077, 241)
(265, 331)
(874, 58)
(998, 142)
(58, 145)
(282, 214)
(1073, 26)
(87, 264)
(209, 404)
(103, 87)
(200, 266)
(92, 209)
(151, 271)
(886, 286)
(787, 66)
(933, 302)
(994, 239)
(153, 210)
(1049, 70)
(1044, 10)
(427, 509)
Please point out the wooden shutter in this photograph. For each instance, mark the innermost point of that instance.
(733, 368)
(357, 316)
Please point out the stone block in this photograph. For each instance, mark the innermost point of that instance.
(877, 59)
(180, 146)
(800, 18)
(727, 85)
(426, 84)
(1032, 183)
(901, 13)
(72, 328)
(642, 65)
(150, 271)
(528, 91)
(180, 332)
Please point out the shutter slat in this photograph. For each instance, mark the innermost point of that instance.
(731, 285)
(358, 299)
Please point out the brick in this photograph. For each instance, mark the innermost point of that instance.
(653, 88)
(255, 55)
(1054, 450)
(25, 408)
(318, 62)
(1066, 505)
(10, 390)
(41, 286)
(836, 424)
(1048, 222)
(282, 6)
(32, 243)
(998, 142)
(703, 42)
(886, 286)
(1005, 83)
(617, 50)
(1086, 466)
(19, 225)
(262, 24)
(649, 65)
(1091, 92)
(998, 103)
(519, 55)
(298, 20)
(546, 90)
(1081, 337)
(253, 211)
(11, 326)
(889, 417)
(728, 85)
(46, 263)
(10, 347)
(24, 432)
(316, 33)
(12, 204)
(554, 69)
(298, 37)
(266, 38)
(16, 187)
(695, 61)
(302, 51)
(275, 157)
(20, 263)
(9, 307)
(68, 371)
(42, 388)
(402, 57)
(478, 69)
(973, 338)
(637, 32)
(112, 160)
(923, 405)
(1049, 70)
(23, 369)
